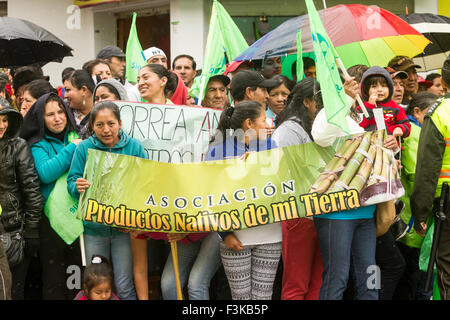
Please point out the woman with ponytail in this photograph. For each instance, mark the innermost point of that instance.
(156, 84)
(257, 250)
(302, 263)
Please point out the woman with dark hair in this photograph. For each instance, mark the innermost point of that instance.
(302, 263)
(156, 84)
(78, 93)
(277, 96)
(100, 239)
(33, 91)
(109, 90)
(303, 103)
(20, 195)
(98, 69)
(346, 237)
(257, 250)
(47, 129)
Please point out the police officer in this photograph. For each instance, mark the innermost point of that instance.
(432, 170)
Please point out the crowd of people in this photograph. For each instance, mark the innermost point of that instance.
(45, 133)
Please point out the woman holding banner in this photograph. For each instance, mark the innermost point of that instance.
(46, 128)
(250, 257)
(156, 84)
(100, 239)
(302, 264)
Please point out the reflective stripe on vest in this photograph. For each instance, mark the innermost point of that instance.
(447, 142)
(444, 174)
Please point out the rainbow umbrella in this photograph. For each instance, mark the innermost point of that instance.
(361, 35)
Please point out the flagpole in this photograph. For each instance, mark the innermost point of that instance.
(347, 76)
(83, 251)
(173, 246)
(200, 96)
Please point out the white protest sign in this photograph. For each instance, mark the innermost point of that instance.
(379, 118)
(170, 133)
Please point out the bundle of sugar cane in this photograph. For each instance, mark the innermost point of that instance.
(336, 164)
(360, 179)
(382, 185)
(353, 164)
(375, 175)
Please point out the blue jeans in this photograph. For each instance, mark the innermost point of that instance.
(197, 264)
(117, 248)
(340, 242)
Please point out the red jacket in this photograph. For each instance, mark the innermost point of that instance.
(394, 116)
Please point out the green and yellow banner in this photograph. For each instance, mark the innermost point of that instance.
(267, 187)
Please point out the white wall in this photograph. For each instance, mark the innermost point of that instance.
(426, 6)
(105, 30)
(189, 22)
(52, 15)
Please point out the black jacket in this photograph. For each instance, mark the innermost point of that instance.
(20, 194)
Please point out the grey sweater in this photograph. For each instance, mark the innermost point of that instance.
(290, 133)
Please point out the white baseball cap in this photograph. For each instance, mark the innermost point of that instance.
(153, 51)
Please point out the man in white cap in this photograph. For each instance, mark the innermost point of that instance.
(155, 55)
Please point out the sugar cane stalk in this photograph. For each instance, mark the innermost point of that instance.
(353, 165)
(347, 150)
(360, 178)
(377, 166)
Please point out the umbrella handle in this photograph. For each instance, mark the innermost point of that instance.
(346, 75)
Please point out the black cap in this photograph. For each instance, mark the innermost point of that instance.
(220, 77)
(109, 52)
(250, 78)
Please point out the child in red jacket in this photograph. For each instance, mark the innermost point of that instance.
(377, 89)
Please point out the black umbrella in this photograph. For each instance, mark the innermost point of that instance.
(437, 29)
(25, 43)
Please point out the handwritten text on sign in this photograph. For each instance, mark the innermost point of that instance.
(170, 133)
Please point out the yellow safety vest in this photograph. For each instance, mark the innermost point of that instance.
(441, 118)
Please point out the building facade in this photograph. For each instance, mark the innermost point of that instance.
(175, 26)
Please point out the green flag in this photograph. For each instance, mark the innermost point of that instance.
(61, 209)
(224, 42)
(135, 59)
(300, 73)
(333, 94)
